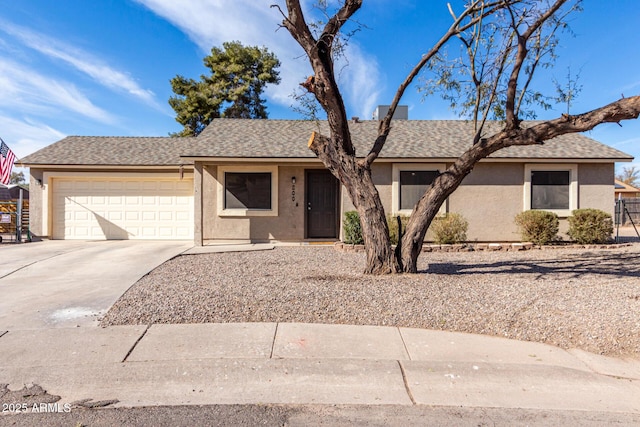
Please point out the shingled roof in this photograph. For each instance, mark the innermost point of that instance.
(287, 139)
(111, 151)
(417, 139)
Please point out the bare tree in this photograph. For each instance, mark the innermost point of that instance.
(505, 41)
(629, 175)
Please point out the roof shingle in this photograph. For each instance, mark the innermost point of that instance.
(111, 151)
(260, 139)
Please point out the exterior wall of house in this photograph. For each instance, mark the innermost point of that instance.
(35, 202)
(489, 198)
(595, 181)
(493, 194)
(288, 225)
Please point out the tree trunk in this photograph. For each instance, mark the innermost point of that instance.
(356, 178)
(429, 204)
(423, 214)
(380, 257)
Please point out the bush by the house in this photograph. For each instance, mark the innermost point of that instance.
(539, 227)
(392, 221)
(352, 228)
(449, 229)
(589, 226)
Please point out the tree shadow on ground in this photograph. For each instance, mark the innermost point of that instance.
(614, 265)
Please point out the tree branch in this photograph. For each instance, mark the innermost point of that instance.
(323, 84)
(456, 28)
(479, 7)
(521, 56)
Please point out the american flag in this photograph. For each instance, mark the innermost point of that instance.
(6, 162)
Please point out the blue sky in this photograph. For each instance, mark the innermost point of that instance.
(78, 67)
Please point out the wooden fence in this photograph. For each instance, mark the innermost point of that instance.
(628, 210)
(9, 220)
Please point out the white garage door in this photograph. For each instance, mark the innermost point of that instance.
(122, 208)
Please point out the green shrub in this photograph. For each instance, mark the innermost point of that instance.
(352, 228)
(589, 226)
(392, 222)
(449, 229)
(539, 227)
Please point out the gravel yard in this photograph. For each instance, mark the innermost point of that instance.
(572, 298)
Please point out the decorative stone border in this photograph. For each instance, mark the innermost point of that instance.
(488, 247)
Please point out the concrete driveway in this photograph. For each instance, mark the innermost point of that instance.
(70, 283)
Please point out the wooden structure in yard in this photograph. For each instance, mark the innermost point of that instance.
(14, 220)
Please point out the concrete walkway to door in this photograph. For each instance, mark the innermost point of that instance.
(58, 284)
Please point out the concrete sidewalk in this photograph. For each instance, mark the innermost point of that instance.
(312, 364)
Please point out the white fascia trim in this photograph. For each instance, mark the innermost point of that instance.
(573, 185)
(107, 167)
(304, 161)
(245, 160)
(220, 186)
(555, 161)
(395, 184)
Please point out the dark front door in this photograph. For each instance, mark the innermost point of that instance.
(322, 191)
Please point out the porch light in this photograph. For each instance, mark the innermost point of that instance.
(293, 179)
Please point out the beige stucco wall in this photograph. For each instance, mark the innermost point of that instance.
(595, 183)
(493, 194)
(288, 225)
(35, 202)
(489, 198)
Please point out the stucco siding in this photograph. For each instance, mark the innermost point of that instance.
(595, 183)
(35, 202)
(288, 225)
(489, 198)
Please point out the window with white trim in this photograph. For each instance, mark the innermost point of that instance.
(247, 191)
(552, 188)
(410, 182)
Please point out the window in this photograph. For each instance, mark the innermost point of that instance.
(413, 184)
(409, 182)
(247, 190)
(551, 187)
(550, 190)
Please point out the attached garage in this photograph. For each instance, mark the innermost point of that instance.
(122, 208)
(97, 188)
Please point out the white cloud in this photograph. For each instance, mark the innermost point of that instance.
(633, 141)
(211, 22)
(22, 89)
(24, 136)
(361, 77)
(82, 61)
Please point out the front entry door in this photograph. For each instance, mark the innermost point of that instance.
(322, 190)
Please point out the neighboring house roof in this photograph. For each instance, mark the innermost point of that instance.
(263, 139)
(623, 187)
(14, 190)
(110, 151)
(5, 194)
